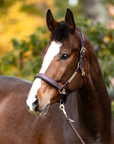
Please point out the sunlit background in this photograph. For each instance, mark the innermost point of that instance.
(23, 34)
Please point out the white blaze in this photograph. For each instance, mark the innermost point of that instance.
(52, 51)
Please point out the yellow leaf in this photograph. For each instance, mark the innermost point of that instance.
(92, 29)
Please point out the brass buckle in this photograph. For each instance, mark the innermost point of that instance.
(83, 49)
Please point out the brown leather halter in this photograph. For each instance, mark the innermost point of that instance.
(62, 88)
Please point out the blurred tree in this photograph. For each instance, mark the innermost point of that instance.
(19, 18)
(62, 5)
(25, 60)
(27, 51)
(95, 10)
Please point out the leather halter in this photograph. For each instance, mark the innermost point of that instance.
(62, 88)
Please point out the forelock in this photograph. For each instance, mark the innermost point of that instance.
(61, 32)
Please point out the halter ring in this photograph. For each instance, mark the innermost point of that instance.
(62, 90)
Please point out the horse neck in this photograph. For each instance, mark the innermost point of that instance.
(94, 103)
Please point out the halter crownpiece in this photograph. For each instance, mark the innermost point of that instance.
(62, 88)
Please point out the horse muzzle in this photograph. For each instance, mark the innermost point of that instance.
(34, 107)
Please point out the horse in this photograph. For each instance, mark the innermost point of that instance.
(70, 76)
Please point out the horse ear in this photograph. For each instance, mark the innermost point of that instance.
(70, 20)
(51, 22)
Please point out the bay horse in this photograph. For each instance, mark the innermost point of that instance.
(70, 73)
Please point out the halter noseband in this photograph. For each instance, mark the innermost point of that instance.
(62, 88)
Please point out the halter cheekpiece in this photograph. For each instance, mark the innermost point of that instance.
(62, 88)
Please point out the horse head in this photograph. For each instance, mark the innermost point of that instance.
(60, 58)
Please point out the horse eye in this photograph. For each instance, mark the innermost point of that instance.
(64, 57)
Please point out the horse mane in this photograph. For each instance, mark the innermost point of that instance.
(61, 32)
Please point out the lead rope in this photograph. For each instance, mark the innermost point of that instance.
(62, 108)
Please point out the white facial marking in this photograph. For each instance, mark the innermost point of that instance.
(52, 51)
(33, 92)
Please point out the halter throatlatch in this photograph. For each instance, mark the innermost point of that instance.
(62, 88)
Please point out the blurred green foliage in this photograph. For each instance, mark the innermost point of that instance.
(28, 8)
(24, 60)
(31, 9)
(63, 4)
(5, 4)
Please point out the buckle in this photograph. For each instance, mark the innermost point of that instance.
(83, 49)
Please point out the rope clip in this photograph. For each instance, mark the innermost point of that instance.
(62, 108)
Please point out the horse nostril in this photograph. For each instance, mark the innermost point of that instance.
(35, 104)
